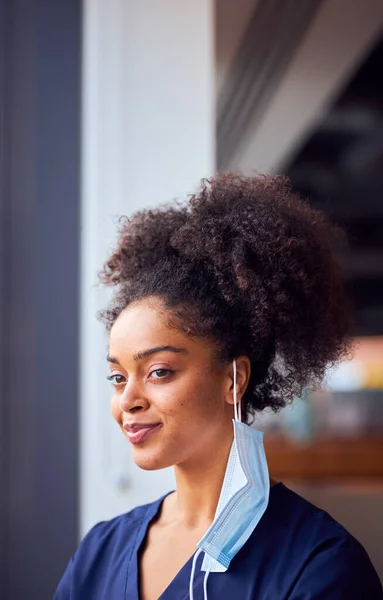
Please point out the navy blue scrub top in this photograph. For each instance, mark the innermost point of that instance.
(297, 551)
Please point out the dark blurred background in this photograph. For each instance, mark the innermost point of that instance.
(107, 107)
(339, 167)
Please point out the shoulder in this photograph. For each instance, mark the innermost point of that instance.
(326, 557)
(122, 528)
(98, 563)
(292, 513)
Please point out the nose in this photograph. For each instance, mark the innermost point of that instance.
(133, 399)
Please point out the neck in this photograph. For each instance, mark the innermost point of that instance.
(199, 484)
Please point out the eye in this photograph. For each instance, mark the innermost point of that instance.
(116, 379)
(161, 373)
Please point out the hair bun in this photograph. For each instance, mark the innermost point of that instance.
(143, 239)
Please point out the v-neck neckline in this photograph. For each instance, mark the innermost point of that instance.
(132, 584)
(132, 587)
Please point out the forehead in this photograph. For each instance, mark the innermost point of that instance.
(145, 324)
(141, 320)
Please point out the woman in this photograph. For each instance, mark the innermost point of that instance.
(227, 304)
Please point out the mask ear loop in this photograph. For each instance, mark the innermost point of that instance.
(205, 585)
(237, 405)
(191, 582)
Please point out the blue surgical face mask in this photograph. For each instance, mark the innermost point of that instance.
(243, 500)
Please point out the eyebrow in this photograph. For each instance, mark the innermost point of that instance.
(149, 352)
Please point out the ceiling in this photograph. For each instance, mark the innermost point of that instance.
(339, 167)
(299, 92)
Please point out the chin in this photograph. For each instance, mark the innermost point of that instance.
(150, 461)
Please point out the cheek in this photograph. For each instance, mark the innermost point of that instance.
(168, 405)
(191, 403)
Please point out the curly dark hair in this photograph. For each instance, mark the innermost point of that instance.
(248, 264)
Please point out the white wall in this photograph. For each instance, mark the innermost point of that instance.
(148, 136)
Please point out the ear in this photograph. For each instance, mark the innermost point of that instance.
(243, 376)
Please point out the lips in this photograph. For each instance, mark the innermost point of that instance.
(139, 432)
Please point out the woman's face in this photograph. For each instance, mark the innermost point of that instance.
(171, 399)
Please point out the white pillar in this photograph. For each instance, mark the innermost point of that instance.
(148, 136)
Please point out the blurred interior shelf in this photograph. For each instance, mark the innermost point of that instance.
(326, 459)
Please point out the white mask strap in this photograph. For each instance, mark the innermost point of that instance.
(237, 405)
(191, 582)
(205, 585)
